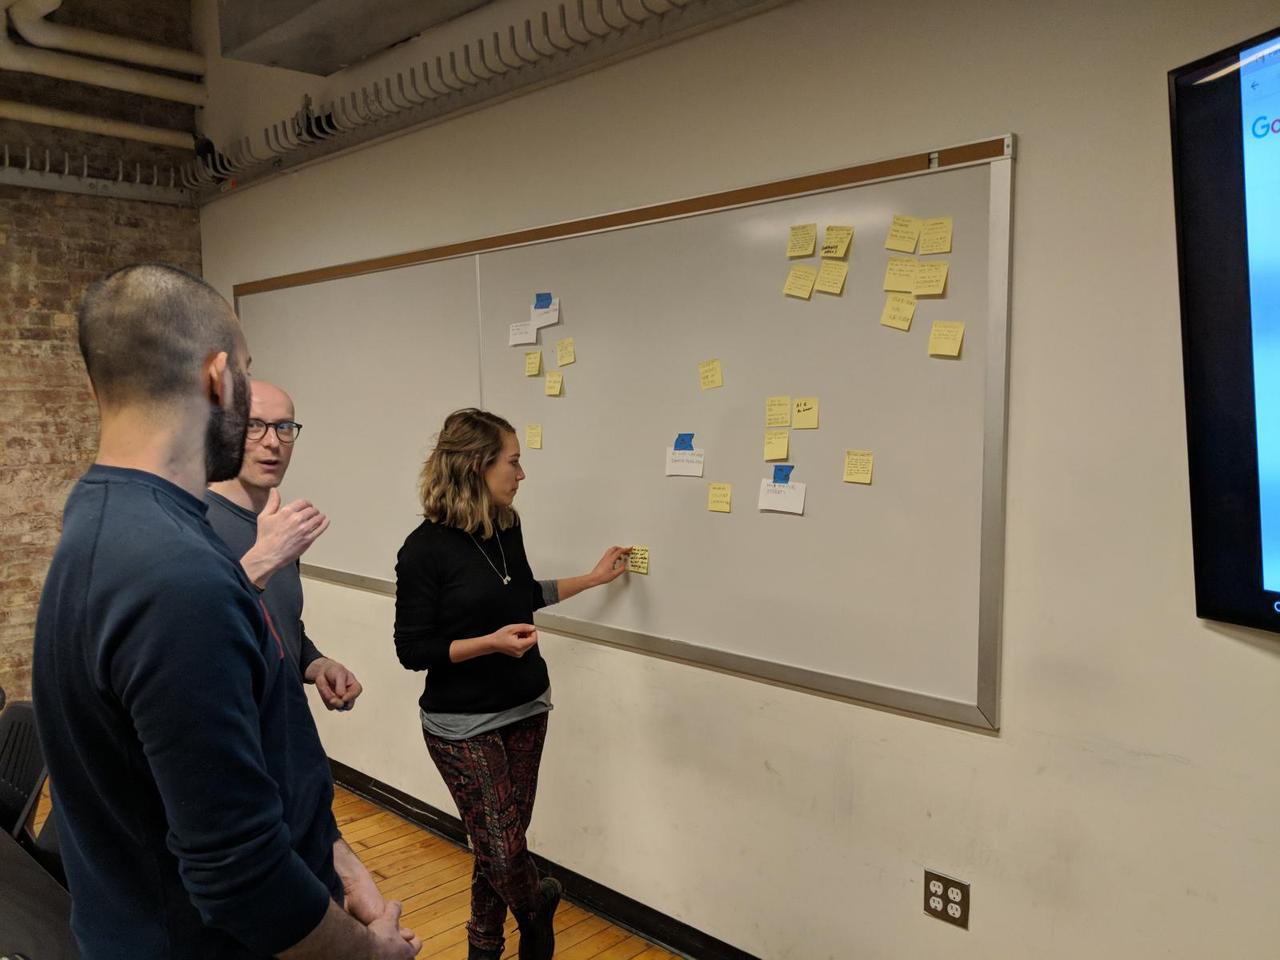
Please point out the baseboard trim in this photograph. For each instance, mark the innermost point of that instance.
(615, 907)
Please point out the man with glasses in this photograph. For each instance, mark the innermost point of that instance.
(269, 538)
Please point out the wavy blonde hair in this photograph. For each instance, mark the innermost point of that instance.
(451, 485)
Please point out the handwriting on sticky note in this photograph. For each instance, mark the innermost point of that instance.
(857, 466)
(710, 375)
(545, 316)
(945, 338)
(904, 232)
(685, 463)
(533, 363)
(801, 241)
(638, 560)
(555, 384)
(800, 281)
(777, 412)
(533, 436)
(899, 308)
(776, 444)
(931, 278)
(935, 235)
(565, 353)
(831, 277)
(836, 240)
(720, 497)
(781, 497)
(900, 274)
(804, 413)
(521, 332)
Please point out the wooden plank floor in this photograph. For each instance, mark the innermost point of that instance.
(431, 877)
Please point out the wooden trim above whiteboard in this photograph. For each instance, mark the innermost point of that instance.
(795, 186)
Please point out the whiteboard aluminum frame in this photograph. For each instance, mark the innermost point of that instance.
(984, 712)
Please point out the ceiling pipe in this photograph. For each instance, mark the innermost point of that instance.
(49, 117)
(62, 66)
(28, 18)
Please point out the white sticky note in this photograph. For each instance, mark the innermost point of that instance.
(545, 317)
(522, 333)
(685, 463)
(781, 497)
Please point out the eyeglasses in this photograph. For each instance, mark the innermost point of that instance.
(286, 430)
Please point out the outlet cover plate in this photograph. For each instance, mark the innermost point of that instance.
(946, 899)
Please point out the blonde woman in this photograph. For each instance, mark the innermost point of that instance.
(465, 598)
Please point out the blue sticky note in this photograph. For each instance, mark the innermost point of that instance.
(684, 441)
(782, 472)
(542, 300)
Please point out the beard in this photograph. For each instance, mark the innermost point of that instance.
(224, 433)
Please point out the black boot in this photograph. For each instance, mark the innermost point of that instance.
(479, 953)
(537, 935)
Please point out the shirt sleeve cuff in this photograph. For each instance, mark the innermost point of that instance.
(550, 591)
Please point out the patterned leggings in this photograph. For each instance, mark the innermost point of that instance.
(493, 778)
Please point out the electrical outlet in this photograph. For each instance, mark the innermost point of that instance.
(946, 899)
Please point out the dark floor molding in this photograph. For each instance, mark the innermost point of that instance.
(613, 906)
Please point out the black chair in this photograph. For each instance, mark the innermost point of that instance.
(44, 849)
(22, 769)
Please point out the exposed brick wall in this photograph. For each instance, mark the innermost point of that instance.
(52, 246)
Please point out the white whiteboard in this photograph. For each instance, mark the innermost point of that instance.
(888, 593)
(373, 364)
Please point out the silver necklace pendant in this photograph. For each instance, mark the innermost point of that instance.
(503, 575)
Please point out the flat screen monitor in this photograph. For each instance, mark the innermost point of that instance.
(1225, 112)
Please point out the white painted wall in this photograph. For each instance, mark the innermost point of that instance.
(1127, 808)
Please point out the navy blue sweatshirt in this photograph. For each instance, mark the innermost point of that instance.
(193, 794)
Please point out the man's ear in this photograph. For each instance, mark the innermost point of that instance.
(216, 379)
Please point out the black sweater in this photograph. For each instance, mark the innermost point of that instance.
(446, 590)
(193, 795)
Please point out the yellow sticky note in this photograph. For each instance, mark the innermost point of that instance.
(638, 560)
(800, 281)
(835, 242)
(899, 308)
(903, 234)
(804, 414)
(857, 466)
(709, 374)
(945, 338)
(564, 352)
(900, 274)
(935, 235)
(533, 363)
(533, 436)
(831, 276)
(720, 497)
(803, 238)
(555, 384)
(776, 444)
(931, 278)
(777, 412)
